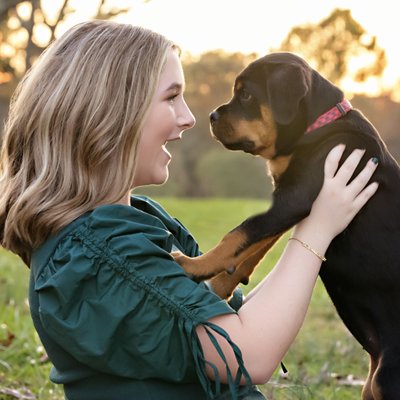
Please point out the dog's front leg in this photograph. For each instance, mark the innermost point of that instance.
(256, 233)
(222, 258)
(225, 283)
(292, 201)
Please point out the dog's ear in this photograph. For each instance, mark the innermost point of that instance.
(287, 84)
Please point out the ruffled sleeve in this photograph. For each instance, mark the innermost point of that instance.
(186, 242)
(113, 297)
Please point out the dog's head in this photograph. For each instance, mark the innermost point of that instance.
(275, 98)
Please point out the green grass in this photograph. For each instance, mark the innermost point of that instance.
(321, 362)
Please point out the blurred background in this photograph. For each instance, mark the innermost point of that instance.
(355, 46)
(210, 189)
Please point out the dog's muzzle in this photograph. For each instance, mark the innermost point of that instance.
(214, 116)
(223, 135)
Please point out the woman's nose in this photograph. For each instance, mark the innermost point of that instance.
(187, 120)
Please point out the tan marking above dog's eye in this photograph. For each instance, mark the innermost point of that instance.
(238, 86)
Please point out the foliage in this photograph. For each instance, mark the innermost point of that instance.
(201, 166)
(331, 46)
(324, 363)
(233, 174)
(26, 29)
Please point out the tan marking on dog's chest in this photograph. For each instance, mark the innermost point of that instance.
(278, 166)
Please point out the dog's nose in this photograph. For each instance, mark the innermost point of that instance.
(214, 116)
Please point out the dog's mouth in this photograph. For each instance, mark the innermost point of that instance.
(248, 146)
(245, 145)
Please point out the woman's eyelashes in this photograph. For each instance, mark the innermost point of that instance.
(171, 99)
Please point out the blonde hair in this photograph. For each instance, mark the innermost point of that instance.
(73, 128)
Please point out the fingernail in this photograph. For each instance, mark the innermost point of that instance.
(375, 160)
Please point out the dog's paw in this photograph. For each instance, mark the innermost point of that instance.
(177, 254)
(188, 265)
(180, 258)
(198, 268)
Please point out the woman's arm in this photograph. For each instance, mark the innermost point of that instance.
(269, 320)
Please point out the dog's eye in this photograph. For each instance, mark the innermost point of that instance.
(245, 95)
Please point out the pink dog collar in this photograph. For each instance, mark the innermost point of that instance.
(340, 110)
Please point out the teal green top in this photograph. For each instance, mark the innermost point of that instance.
(117, 315)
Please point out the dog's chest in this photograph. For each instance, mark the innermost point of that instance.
(278, 166)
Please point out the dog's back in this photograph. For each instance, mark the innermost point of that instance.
(276, 101)
(362, 277)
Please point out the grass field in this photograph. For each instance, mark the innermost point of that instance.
(324, 362)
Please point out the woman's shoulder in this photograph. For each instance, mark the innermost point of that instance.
(111, 243)
(119, 246)
(112, 228)
(144, 218)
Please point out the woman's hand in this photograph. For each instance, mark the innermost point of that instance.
(339, 201)
(264, 340)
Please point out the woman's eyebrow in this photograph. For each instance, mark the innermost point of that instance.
(175, 86)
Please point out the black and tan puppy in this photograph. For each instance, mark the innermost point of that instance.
(286, 112)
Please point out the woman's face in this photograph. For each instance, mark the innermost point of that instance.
(168, 117)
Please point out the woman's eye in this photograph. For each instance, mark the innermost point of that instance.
(172, 98)
(245, 95)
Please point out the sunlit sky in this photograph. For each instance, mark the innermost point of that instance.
(259, 25)
(256, 25)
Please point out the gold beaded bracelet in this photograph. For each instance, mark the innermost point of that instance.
(308, 247)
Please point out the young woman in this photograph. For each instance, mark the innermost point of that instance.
(118, 317)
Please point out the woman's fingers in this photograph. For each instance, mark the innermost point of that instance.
(361, 180)
(365, 195)
(339, 201)
(346, 171)
(332, 160)
(348, 167)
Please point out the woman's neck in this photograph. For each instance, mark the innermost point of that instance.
(125, 200)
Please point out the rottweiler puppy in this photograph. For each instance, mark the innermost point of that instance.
(286, 112)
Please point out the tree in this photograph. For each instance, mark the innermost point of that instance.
(333, 46)
(27, 28)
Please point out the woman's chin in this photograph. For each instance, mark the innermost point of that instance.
(158, 178)
(164, 179)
